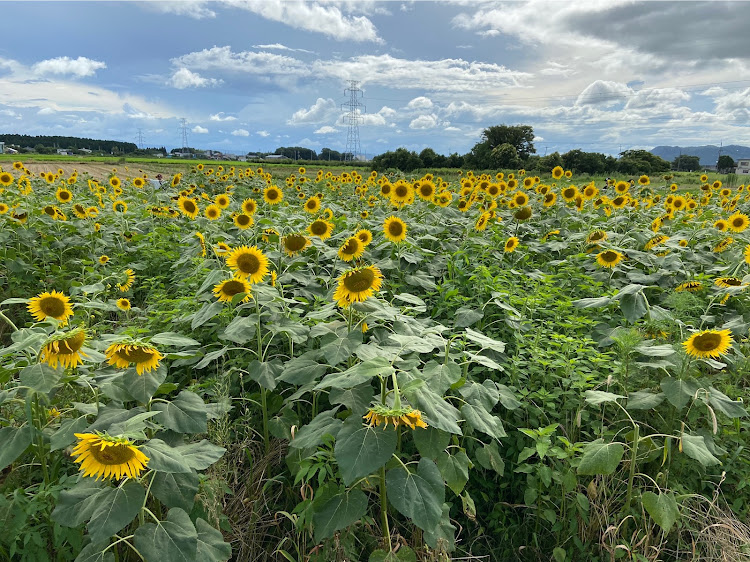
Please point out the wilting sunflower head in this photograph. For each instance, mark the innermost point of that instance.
(248, 263)
(728, 282)
(64, 348)
(394, 229)
(129, 280)
(51, 305)
(381, 414)
(295, 243)
(708, 343)
(609, 258)
(596, 236)
(226, 290)
(108, 457)
(144, 356)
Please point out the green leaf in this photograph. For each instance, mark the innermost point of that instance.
(295, 330)
(455, 470)
(361, 449)
(311, 435)
(644, 400)
(695, 447)
(465, 317)
(176, 490)
(94, 552)
(265, 373)
(437, 412)
(301, 371)
(13, 442)
(142, 387)
(116, 508)
(633, 306)
(211, 545)
(662, 509)
(507, 398)
(598, 397)
(356, 399)
(164, 458)
(725, 405)
(173, 540)
(489, 457)
(403, 554)
(337, 512)
(66, 434)
(441, 377)
(418, 304)
(600, 458)
(241, 330)
(40, 377)
(442, 536)
(209, 310)
(679, 391)
(430, 441)
(358, 374)
(201, 455)
(418, 496)
(132, 427)
(483, 395)
(209, 357)
(341, 349)
(184, 414)
(425, 343)
(482, 420)
(75, 506)
(171, 338)
(484, 341)
(559, 554)
(651, 350)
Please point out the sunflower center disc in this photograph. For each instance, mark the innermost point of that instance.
(233, 288)
(134, 354)
(359, 281)
(243, 220)
(295, 243)
(52, 306)
(395, 229)
(248, 263)
(318, 228)
(401, 191)
(609, 256)
(112, 455)
(707, 342)
(351, 247)
(189, 207)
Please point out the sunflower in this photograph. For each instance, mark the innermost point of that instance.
(249, 206)
(511, 244)
(358, 284)
(569, 193)
(644, 180)
(721, 225)
(364, 235)
(248, 263)
(176, 180)
(80, 211)
(139, 182)
(122, 354)
(394, 229)
(689, 286)
(520, 199)
(295, 243)
(723, 245)
(620, 201)
(704, 178)
(402, 193)
(351, 249)
(383, 415)
(655, 241)
(18, 165)
(108, 457)
(63, 195)
(243, 221)
(426, 190)
(708, 343)
(596, 236)
(568, 174)
(482, 221)
(120, 206)
(320, 228)
(123, 304)
(226, 290)
(523, 214)
(213, 212)
(64, 348)
(3, 208)
(130, 279)
(51, 305)
(222, 200)
(609, 258)
(188, 206)
(738, 222)
(114, 181)
(222, 248)
(728, 282)
(550, 198)
(273, 195)
(312, 205)
(622, 187)
(557, 172)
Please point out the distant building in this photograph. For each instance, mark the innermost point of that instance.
(64, 152)
(2, 147)
(10, 151)
(277, 157)
(742, 166)
(85, 150)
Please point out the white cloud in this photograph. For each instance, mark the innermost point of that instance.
(240, 133)
(280, 47)
(246, 62)
(326, 130)
(263, 134)
(420, 102)
(78, 68)
(424, 122)
(184, 78)
(322, 110)
(452, 129)
(195, 9)
(221, 117)
(200, 130)
(604, 92)
(46, 111)
(387, 112)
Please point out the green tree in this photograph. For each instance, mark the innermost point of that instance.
(725, 163)
(686, 163)
(505, 156)
(546, 163)
(520, 137)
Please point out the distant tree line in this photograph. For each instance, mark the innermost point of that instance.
(50, 144)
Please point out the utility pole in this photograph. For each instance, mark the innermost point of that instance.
(140, 139)
(352, 119)
(721, 145)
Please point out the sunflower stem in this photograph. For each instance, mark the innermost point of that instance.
(8, 321)
(396, 393)
(384, 510)
(41, 453)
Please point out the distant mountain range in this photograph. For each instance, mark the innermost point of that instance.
(709, 154)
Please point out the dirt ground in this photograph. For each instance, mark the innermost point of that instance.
(102, 170)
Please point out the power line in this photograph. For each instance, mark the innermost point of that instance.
(353, 119)
(140, 139)
(183, 126)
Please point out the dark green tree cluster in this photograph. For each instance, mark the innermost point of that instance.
(725, 164)
(49, 144)
(634, 162)
(686, 163)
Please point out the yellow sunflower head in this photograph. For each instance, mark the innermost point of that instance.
(226, 290)
(708, 343)
(609, 258)
(249, 206)
(358, 284)
(122, 354)
(511, 244)
(351, 249)
(248, 263)
(64, 349)
(108, 457)
(383, 415)
(295, 243)
(213, 212)
(243, 221)
(123, 304)
(394, 229)
(51, 305)
(320, 228)
(364, 235)
(273, 195)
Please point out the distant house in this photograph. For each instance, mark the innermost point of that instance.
(64, 152)
(742, 166)
(85, 150)
(2, 147)
(10, 151)
(277, 157)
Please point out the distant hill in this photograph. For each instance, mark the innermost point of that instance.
(708, 154)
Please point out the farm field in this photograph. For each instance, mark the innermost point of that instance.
(258, 363)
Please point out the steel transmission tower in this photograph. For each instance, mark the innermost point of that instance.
(183, 126)
(140, 139)
(353, 118)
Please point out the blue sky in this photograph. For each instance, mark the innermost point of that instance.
(253, 75)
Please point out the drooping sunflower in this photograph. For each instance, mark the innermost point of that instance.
(596, 236)
(609, 258)
(249, 206)
(351, 249)
(655, 241)
(482, 221)
(51, 305)
(511, 244)
(63, 195)
(738, 222)
(708, 343)
(243, 221)
(356, 285)
(145, 357)
(273, 195)
(108, 457)
(213, 212)
(383, 415)
(188, 206)
(320, 228)
(123, 304)
(226, 290)
(130, 279)
(364, 235)
(248, 263)
(728, 282)
(64, 349)
(689, 286)
(120, 206)
(312, 205)
(295, 243)
(723, 245)
(394, 229)
(523, 214)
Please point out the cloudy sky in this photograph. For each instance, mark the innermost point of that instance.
(252, 75)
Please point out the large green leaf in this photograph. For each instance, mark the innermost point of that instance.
(726, 405)
(357, 398)
(359, 374)
(600, 458)
(489, 457)
(430, 441)
(241, 330)
(295, 330)
(171, 338)
(454, 470)
(465, 317)
(441, 376)
(644, 400)
(66, 434)
(176, 490)
(340, 349)
(164, 458)
(443, 535)
(265, 373)
(418, 495)
(437, 411)
(116, 508)
(209, 310)
(403, 554)
(301, 371)
(679, 391)
(484, 342)
(337, 512)
(173, 540)
(13, 442)
(311, 435)
(95, 552)
(695, 447)
(40, 377)
(208, 358)
(598, 397)
(482, 420)
(202, 454)
(662, 509)
(75, 506)
(184, 414)
(142, 387)
(211, 545)
(361, 449)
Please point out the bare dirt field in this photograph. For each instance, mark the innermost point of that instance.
(101, 170)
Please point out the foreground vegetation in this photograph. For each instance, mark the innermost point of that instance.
(370, 367)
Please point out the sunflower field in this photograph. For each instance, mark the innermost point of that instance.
(244, 364)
